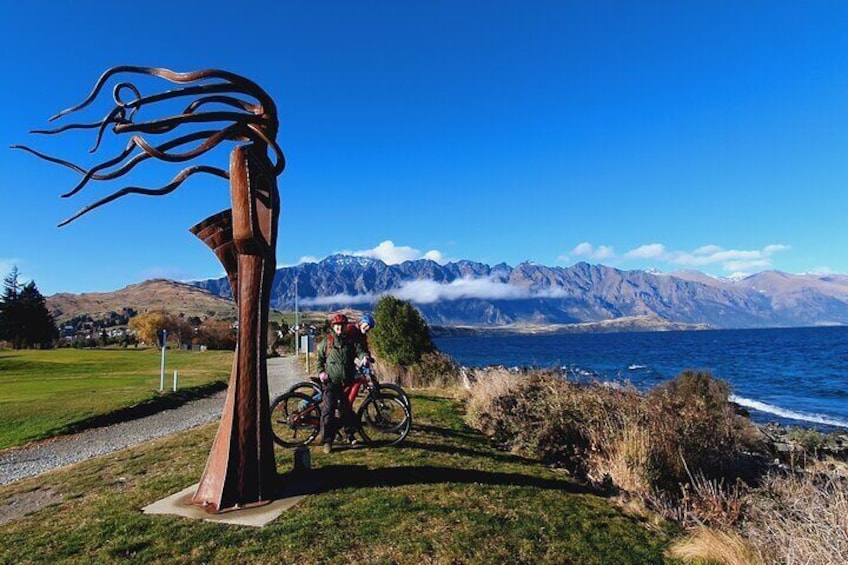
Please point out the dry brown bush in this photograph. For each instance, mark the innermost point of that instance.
(434, 370)
(542, 414)
(691, 423)
(801, 518)
(711, 502)
(682, 433)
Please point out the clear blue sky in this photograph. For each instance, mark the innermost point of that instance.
(667, 135)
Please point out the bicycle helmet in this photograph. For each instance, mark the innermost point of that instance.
(338, 319)
(368, 319)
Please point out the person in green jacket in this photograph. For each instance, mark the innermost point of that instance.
(338, 354)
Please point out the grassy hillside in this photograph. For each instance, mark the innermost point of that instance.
(45, 393)
(155, 294)
(445, 496)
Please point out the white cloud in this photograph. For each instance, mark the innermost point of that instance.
(705, 255)
(389, 253)
(603, 252)
(434, 255)
(734, 260)
(307, 259)
(649, 251)
(707, 250)
(392, 254)
(586, 249)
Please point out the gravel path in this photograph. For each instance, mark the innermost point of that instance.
(31, 460)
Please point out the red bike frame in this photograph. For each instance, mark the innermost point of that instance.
(351, 390)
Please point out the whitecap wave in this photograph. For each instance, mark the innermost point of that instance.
(788, 414)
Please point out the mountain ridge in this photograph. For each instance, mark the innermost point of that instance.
(471, 293)
(528, 297)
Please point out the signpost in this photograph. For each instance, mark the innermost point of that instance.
(307, 345)
(163, 342)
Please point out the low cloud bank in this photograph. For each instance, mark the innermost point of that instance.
(428, 292)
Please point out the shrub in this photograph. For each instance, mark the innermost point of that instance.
(401, 335)
(643, 444)
(542, 414)
(691, 424)
(434, 369)
(217, 334)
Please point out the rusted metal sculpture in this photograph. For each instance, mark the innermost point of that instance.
(240, 470)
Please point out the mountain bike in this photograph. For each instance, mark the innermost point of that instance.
(380, 416)
(313, 388)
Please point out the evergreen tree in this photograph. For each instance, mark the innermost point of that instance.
(401, 335)
(9, 310)
(25, 321)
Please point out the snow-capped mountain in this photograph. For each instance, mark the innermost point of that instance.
(472, 293)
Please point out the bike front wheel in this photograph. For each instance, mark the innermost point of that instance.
(310, 388)
(295, 419)
(384, 420)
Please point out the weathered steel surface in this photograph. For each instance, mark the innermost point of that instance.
(249, 478)
(240, 470)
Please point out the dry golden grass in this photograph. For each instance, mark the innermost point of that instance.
(802, 518)
(706, 545)
(483, 393)
(627, 459)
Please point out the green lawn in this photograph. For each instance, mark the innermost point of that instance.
(45, 393)
(445, 496)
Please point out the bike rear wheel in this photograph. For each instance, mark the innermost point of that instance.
(295, 419)
(384, 419)
(391, 389)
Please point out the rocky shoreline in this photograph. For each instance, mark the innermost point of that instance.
(623, 324)
(789, 443)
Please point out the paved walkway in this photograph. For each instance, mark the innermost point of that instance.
(34, 459)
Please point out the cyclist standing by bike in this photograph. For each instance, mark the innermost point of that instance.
(359, 331)
(338, 354)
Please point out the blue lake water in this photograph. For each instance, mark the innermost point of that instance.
(795, 376)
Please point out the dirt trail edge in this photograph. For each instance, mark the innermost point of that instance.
(34, 459)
